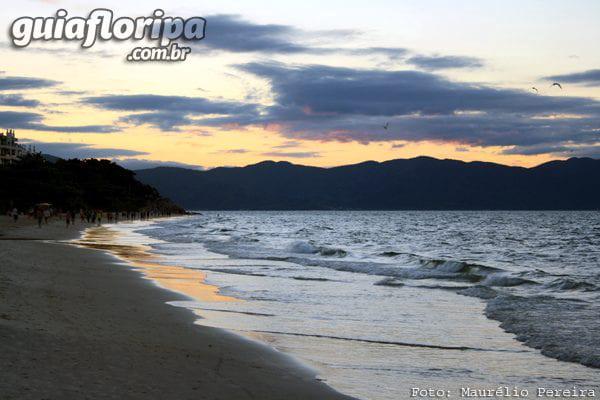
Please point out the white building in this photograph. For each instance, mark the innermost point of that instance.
(10, 149)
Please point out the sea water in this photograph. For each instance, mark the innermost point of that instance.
(386, 303)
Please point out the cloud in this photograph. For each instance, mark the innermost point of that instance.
(560, 150)
(232, 151)
(285, 154)
(33, 121)
(322, 91)
(71, 92)
(432, 63)
(232, 33)
(288, 144)
(393, 53)
(588, 78)
(168, 112)
(57, 50)
(135, 164)
(16, 100)
(326, 103)
(23, 83)
(165, 121)
(79, 150)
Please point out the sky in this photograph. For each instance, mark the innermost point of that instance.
(316, 83)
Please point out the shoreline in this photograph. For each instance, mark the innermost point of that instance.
(70, 327)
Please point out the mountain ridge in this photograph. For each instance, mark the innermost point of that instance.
(420, 183)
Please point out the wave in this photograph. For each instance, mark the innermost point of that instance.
(393, 282)
(307, 278)
(570, 284)
(481, 292)
(301, 247)
(505, 280)
(563, 329)
(254, 314)
(441, 270)
(386, 342)
(389, 254)
(234, 271)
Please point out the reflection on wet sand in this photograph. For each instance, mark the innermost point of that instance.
(182, 280)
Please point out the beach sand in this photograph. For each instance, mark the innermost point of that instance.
(76, 324)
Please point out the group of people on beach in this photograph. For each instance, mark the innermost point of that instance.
(44, 213)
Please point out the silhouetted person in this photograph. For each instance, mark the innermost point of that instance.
(39, 216)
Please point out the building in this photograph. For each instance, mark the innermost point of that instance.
(10, 149)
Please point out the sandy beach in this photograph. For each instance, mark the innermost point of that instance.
(75, 324)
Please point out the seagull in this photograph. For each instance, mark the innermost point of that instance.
(557, 84)
(536, 90)
(386, 126)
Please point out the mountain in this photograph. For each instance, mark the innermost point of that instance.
(421, 183)
(76, 184)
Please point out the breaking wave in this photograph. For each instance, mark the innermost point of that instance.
(301, 247)
(561, 328)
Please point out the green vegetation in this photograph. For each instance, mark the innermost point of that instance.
(77, 184)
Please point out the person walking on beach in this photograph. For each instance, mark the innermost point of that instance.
(15, 214)
(40, 216)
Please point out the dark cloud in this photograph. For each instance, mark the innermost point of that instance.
(150, 102)
(16, 100)
(165, 120)
(22, 83)
(232, 33)
(168, 112)
(34, 121)
(79, 150)
(432, 63)
(322, 91)
(588, 78)
(559, 150)
(329, 103)
(135, 164)
(285, 154)
(316, 102)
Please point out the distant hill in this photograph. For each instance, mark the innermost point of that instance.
(75, 184)
(420, 183)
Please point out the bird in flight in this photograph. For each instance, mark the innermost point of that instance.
(557, 84)
(386, 126)
(536, 90)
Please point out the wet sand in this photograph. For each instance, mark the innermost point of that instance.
(75, 323)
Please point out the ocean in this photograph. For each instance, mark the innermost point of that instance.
(381, 303)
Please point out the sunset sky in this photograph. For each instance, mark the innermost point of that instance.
(314, 82)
